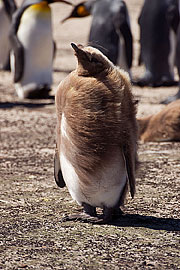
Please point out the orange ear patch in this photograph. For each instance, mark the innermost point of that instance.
(82, 12)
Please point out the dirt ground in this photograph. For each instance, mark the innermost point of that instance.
(32, 235)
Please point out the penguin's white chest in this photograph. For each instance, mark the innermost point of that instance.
(35, 34)
(4, 36)
(104, 186)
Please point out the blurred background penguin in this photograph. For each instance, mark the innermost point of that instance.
(32, 48)
(7, 8)
(110, 30)
(177, 95)
(158, 22)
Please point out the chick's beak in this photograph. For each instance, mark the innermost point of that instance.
(78, 50)
(80, 53)
(75, 47)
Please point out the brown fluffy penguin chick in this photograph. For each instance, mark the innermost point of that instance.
(96, 153)
(163, 126)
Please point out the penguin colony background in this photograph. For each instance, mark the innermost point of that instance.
(28, 49)
(110, 32)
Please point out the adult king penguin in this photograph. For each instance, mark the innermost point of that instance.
(33, 48)
(7, 8)
(177, 95)
(96, 153)
(110, 29)
(158, 26)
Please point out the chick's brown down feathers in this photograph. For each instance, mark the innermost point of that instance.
(98, 105)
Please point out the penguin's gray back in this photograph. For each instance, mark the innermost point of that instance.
(103, 34)
(105, 31)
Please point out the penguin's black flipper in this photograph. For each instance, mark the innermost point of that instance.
(172, 15)
(131, 166)
(126, 32)
(57, 171)
(18, 51)
(17, 47)
(121, 22)
(10, 7)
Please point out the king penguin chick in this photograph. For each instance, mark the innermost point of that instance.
(110, 29)
(163, 126)
(96, 154)
(7, 8)
(32, 48)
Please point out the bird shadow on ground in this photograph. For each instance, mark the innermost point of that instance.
(150, 222)
(30, 105)
(133, 220)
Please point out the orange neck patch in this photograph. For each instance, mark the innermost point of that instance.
(41, 7)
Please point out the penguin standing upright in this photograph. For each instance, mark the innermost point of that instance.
(96, 155)
(7, 8)
(110, 30)
(177, 95)
(158, 26)
(32, 48)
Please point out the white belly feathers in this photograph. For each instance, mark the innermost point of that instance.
(105, 186)
(35, 34)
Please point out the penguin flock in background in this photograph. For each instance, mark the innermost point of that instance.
(110, 32)
(110, 29)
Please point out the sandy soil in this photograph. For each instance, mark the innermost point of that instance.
(32, 235)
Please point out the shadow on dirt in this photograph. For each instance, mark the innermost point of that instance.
(130, 220)
(31, 105)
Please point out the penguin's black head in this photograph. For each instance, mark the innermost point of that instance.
(79, 11)
(91, 61)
